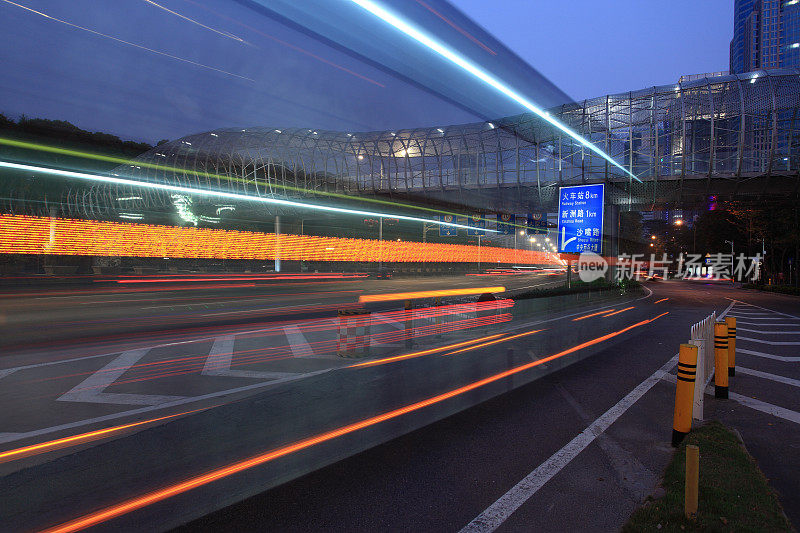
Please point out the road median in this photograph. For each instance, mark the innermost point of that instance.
(734, 495)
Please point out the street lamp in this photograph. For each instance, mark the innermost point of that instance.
(731, 243)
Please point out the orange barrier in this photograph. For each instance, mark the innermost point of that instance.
(426, 294)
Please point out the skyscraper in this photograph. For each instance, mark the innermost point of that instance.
(766, 34)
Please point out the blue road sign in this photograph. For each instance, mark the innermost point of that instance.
(476, 225)
(447, 231)
(580, 218)
(536, 224)
(505, 224)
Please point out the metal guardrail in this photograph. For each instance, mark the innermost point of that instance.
(702, 336)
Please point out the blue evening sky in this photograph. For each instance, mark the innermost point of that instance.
(152, 69)
(593, 47)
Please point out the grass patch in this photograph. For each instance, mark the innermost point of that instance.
(733, 493)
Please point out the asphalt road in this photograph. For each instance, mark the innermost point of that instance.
(442, 476)
(434, 466)
(125, 310)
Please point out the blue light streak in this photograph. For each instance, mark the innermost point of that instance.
(222, 194)
(455, 58)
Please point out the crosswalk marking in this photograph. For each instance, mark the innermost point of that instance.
(91, 389)
(297, 342)
(783, 358)
(773, 343)
(767, 375)
(782, 332)
(220, 359)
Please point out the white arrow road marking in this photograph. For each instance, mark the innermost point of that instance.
(297, 342)
(221, 356)
(564, 242)
(91, 389)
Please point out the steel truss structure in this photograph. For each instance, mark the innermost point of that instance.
(675, 138)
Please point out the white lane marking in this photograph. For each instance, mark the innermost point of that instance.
(297, 342)
(220, 358)
(764, 407)
(781, 332)
(768, 355)
(752, 403)
(773, 319)
(9, 437)
(91, 389)
(497, 513)
(767, 375)
(773, 343)
(765, 309)
(6, 371)
(762, 324)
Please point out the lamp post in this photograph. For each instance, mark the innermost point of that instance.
(731, 243)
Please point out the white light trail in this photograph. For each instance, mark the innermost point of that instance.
(428, 41)
(222, 194)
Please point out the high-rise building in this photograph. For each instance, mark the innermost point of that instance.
(766, 34)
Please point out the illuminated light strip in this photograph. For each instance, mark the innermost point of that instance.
(23, 234)
(504, 339)
(426, 294)
(150, 498)
(620, 311)
(428, 41)
(222, 177)
(661, 300)
(44, 447)
(222, 194)
(593, 314)
(423, 352)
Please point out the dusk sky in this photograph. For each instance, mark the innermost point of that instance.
(147, 70)
(594, 47)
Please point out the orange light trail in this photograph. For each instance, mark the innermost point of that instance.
(150, 498)
(504, 339)
(22, 234)
(620, 311)
(423, 352)
(661, 300)
(365, 298)
(593, 314)
(44, 447)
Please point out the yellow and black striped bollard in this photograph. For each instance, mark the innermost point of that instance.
(684, 392)
(720, 360)
(731, 322)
